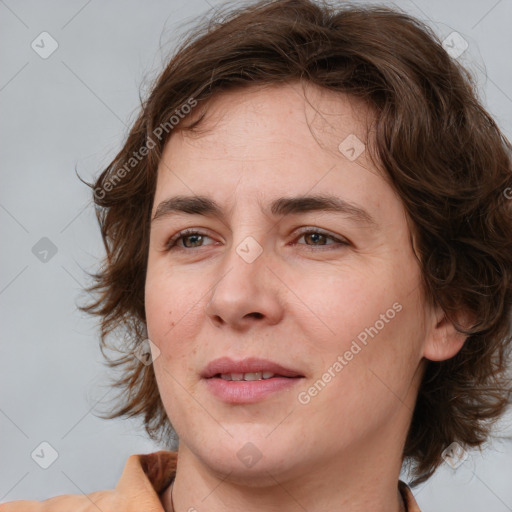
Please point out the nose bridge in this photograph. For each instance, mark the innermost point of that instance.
(244, 290)
(242, 270)
(246, 254)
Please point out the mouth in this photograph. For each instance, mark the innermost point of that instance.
(247, 380)
(249, 376)
(249, 369)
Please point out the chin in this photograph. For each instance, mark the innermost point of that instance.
(250, 459)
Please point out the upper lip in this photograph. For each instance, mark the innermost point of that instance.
(226, 365)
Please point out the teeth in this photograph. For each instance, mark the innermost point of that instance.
(247, 376)
(252, 376)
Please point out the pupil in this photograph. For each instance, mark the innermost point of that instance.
(316, 237)
(197, 237)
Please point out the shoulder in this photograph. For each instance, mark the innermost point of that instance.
(102, 500)
(144, 477)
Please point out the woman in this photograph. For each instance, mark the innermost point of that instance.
(309, 242)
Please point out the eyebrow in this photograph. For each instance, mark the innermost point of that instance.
(202, 205)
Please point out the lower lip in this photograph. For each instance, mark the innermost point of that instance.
(245, 391)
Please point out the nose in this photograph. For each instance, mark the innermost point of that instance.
(246, 293)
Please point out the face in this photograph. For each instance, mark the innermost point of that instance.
(321, 298)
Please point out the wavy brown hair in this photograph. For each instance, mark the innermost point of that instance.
(441, 151)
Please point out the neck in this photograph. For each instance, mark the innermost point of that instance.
(365, 481)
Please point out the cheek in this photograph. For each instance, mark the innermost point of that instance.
(360, 385)
(170, 297)
(336, 304)
(369, 318)
(171, 315)
(158, 308)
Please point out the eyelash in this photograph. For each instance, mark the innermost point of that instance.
(172, 243)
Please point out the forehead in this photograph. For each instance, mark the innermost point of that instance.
(279, 113)
(269, 140)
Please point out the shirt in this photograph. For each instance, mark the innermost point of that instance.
(144, 478)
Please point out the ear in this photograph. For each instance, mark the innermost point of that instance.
(444, 341)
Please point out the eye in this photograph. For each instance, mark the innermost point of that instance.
(319, 238)
(191, 237)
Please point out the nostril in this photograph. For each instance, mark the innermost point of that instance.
(255, 315)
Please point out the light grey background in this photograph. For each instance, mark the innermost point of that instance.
(72, 110)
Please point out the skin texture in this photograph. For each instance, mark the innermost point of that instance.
(312, 295)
